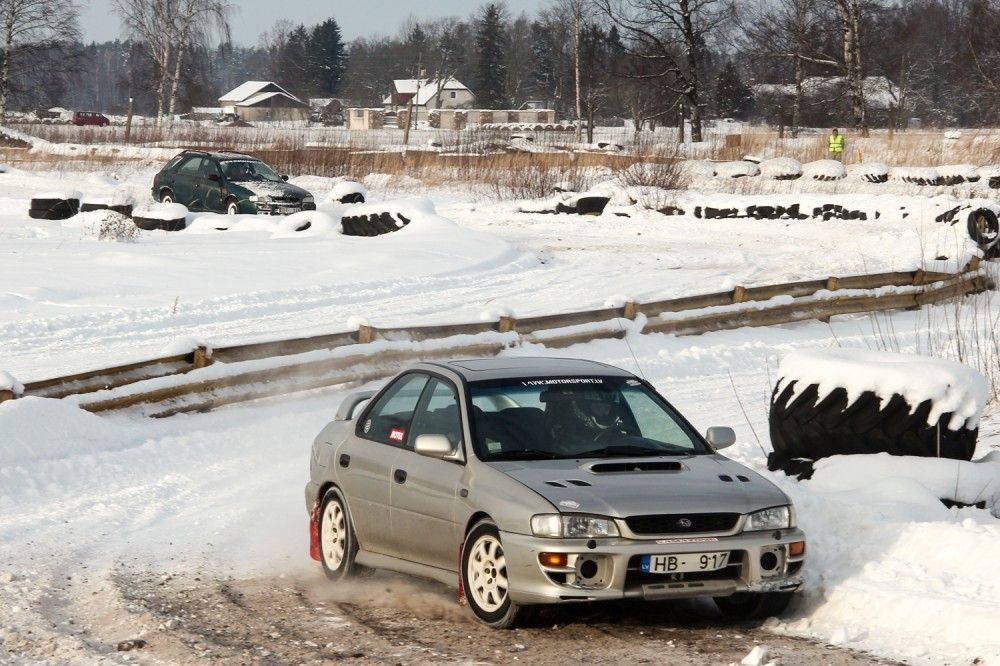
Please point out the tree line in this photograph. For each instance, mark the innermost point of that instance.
(650, 61)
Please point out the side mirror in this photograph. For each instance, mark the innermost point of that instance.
(213, 177)
(720, 437)
(433, 446)
(283, 177)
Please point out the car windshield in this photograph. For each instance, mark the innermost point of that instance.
(575, 417)
(241, 171)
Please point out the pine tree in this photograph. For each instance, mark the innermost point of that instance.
(327, 58)
(733, 98)
(490, 70)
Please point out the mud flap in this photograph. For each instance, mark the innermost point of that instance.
(314, 532)
(461, 587)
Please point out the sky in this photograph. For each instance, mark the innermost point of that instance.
(357, 19)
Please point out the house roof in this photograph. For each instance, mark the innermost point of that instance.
(880, 92)
(424, 90)
(264, 96)
(242, 93)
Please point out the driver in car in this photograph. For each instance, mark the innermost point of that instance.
(580, 416)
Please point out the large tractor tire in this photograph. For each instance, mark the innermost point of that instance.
(804, 428)
(53, 209)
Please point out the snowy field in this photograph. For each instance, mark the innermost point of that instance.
(890, 569)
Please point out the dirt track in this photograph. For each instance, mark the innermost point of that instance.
(382, 619)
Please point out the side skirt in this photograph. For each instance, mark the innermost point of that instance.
(378, 561)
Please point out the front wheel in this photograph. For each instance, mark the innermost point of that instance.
(232, 207)
(754, 605)
(484, 579)
(337, 543)
(166, 196)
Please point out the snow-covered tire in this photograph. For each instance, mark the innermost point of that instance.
(804, 427)
(754, 605)
(338, 544)
(124, 209)
(152, 224)
(167, 196)
(53, 209)
(485, 581)
(372, 224)
(353, 197)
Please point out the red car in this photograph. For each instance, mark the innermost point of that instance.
(90, 118)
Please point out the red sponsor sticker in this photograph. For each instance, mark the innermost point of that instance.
(397, 435)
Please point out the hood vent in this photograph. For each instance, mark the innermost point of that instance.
(624, 467)
(726, 478)
(555, 484)
(577, 482)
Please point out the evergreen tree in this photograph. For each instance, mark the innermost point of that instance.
(490, 70)
(733, 98)
(327, 58)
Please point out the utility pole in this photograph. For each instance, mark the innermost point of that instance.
(128, 121)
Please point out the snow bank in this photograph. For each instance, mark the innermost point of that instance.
(959, 480)
(162, 211)
(952, 387)
(43, 429)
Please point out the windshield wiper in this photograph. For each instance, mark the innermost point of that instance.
(523, 454)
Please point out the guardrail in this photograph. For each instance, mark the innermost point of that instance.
(250, 371)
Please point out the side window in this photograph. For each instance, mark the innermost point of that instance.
(172, 164)
(388, 421)
(208, 167)
(191, 167)
(438, 414)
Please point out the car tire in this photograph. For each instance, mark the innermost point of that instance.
(754, 605)
(167, 196)
(232, 206)
(983, 227)
(338, 545)
(484, 579)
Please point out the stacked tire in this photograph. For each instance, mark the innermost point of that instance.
(374, 224)
(806, 426)
(51, 208)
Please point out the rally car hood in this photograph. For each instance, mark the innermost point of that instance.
(622, 487)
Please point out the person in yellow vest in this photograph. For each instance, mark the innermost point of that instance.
(836, 145)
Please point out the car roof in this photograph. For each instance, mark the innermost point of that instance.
(222, 157)
(512, 367)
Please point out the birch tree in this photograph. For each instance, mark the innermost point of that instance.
(28, 26)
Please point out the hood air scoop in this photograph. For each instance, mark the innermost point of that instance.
(636, 466)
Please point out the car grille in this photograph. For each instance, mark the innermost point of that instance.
(285, 200)
(682, 523)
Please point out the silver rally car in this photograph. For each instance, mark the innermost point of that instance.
(529, 481)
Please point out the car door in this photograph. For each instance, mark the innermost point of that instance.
(424, 490)
(365, 460)
(187, 183)
(211, 189)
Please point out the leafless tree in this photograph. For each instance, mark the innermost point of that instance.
(168, 28)
(30, 25)
(672, 34)
(578, 11)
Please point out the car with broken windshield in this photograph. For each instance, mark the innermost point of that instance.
(230, 183)
(533, 481)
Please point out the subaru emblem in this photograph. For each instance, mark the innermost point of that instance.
(684, 523)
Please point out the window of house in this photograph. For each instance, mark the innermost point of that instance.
(454, 94)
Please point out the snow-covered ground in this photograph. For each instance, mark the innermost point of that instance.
(890, 569)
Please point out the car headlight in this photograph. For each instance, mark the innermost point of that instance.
(308, 199)
(254, 198)
(775, 518)
(572, 526)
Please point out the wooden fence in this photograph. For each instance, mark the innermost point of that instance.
(357, 359)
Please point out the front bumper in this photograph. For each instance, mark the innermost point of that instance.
(618, 574)
(280, 208)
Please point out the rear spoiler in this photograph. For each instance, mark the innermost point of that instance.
(346, 410)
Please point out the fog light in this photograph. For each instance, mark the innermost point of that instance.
(768, 561)
(588, 568)
(796, 548)
(552, 559)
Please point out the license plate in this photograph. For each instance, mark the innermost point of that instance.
(684, 562)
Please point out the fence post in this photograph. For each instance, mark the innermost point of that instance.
(919, 276)
(630, 310)
(365, 334)
(202, 356)
(506, 324)
(739, 294)
(832, 283)
(6, 394)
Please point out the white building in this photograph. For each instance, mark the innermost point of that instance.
(428, 94)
